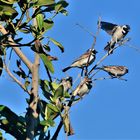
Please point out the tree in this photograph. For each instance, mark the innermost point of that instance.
(33, 21)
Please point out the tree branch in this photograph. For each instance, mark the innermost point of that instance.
(32, 113)
(17, 50)
(15, 79)
(57, 130)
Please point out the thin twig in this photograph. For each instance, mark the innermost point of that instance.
(94, 40)
(109, 77)
(133, 47)
(107, 54)
(15, 79)
(103, 78)
(17, 50)
(54, 137)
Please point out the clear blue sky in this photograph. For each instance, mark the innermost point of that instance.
(112, 109)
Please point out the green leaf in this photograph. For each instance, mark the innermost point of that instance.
(9, 1)
(25, 31)
(27, 83)
(1, 65)
(47, 48)
(48, 122)
(51, 111)
(60, 6)
(57, 44)
(64, 12)
(1, 136)
(67, 95)
(40, 21)
(2, 107)
(59, 92)
(45, 88)
(55, 85)
(53, 108)
(44, 2)
(5, 121)
(8, 11)
(48, 24)
(47, 62)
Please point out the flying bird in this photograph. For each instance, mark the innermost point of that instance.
(115, 71)
(118, 32)
(84, 60)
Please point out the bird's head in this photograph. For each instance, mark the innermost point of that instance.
(126, 70)
(69, 78)
(93, 51)
(126, 27)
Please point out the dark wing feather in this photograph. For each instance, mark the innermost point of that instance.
(108, 27)
(85, 55)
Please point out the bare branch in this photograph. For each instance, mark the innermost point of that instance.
(108, 53)
(15, 79)
(54, 137)
(17, 50)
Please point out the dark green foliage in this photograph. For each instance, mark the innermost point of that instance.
(18, 16)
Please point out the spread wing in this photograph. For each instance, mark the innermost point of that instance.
(108, 27)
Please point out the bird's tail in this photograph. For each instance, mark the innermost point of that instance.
(67, 68)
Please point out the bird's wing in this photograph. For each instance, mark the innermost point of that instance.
(85, 55)
(108, 27)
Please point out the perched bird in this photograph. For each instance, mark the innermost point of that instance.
(83, 88)
(117, 32)
(67, 83)
(115, 71)
(84, 60)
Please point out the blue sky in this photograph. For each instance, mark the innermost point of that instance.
(112, 109)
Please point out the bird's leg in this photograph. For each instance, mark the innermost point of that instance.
(83, 71)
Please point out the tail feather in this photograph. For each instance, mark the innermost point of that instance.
(67, 68)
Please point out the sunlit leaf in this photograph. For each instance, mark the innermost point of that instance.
(9, 1)
(59, 92)
(40, 21)
(8, 11)
(52, 107)
(26, 84)
(48, 24)
(44, 2)
(50, 111)
(57, 44)
(48, 122)
(64, 12)
(47, 62)
(60, 6)
(2, 107)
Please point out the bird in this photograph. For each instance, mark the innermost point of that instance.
(115, 71)
(67, 83)
(118, 32)
(84, 60)
(83, 88)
